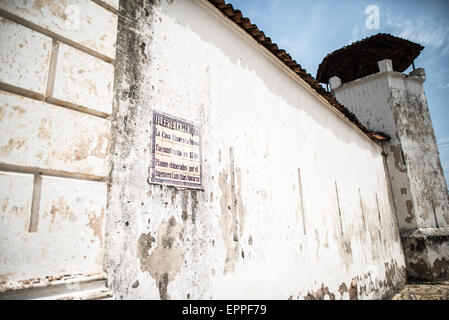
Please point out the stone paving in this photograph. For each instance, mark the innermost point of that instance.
(424, 291)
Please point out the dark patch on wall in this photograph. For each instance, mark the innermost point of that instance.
(232, 218)
(142, 51)
(419, 148)
(320, 294)
(353, 294)
(343, 238)
(184, 204)
(194, 201)
(362, 210)
(441, 268)
(352, 291)
(347, 247)
(194, 204)
(419, 250)
(184, 215)
(434, 214)
(130, 114)
(143, 246)
(398, 158)
(420, 270)
(339, 209)
(395, 277)
(342, 289)
(165, 261)
(410, 217)
(393, 282)
(162, 285)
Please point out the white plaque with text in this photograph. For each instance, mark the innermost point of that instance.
(176, 152)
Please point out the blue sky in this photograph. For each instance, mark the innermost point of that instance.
(309, 30)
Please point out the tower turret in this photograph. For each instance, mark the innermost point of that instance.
(367, 77)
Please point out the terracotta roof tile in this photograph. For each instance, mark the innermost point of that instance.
(360, 58)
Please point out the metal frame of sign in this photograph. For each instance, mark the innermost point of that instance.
(183, 184)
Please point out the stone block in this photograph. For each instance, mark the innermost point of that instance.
(385, 65)
(24, 57)
(40, 135)
(69, 235)
(82, 80)
(83, 22)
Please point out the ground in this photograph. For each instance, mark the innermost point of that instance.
(424, 291)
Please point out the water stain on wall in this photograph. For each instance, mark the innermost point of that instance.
(165, 261)
(62, 211)
(320, 294)
(43, 132)
(12, 143)
(2, 113)
(410, 218)
(82, 148)
(101, 150)
(398, 158)
(96, 224)
(232, 218)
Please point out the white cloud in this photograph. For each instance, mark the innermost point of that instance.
(359, 32)
(440, 78)
(444, 145)
(432, 33)
(424, 30)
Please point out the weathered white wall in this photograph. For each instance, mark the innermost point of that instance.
(56, 80)
(396, 104)
(295, 201)
(369, 98)
(426, 251)
(427, 183)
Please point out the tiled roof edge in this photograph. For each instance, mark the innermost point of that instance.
(360, 43)
(243, 22)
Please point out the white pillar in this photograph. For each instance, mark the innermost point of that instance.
(420, 73)
(385, 65)
(334, 82)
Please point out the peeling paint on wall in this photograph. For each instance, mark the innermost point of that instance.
(232, 219)
(169, 243)
(165, 261)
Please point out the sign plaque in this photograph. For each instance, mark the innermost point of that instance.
(176, 152)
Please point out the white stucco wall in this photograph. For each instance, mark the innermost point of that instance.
(295, 201)
(427, 184)
(370, 99)
(395, 103)
(56, 92)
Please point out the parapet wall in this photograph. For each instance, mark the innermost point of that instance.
(295, 202)
(395, 103)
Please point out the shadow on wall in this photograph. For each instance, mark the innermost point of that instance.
(281, 85)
